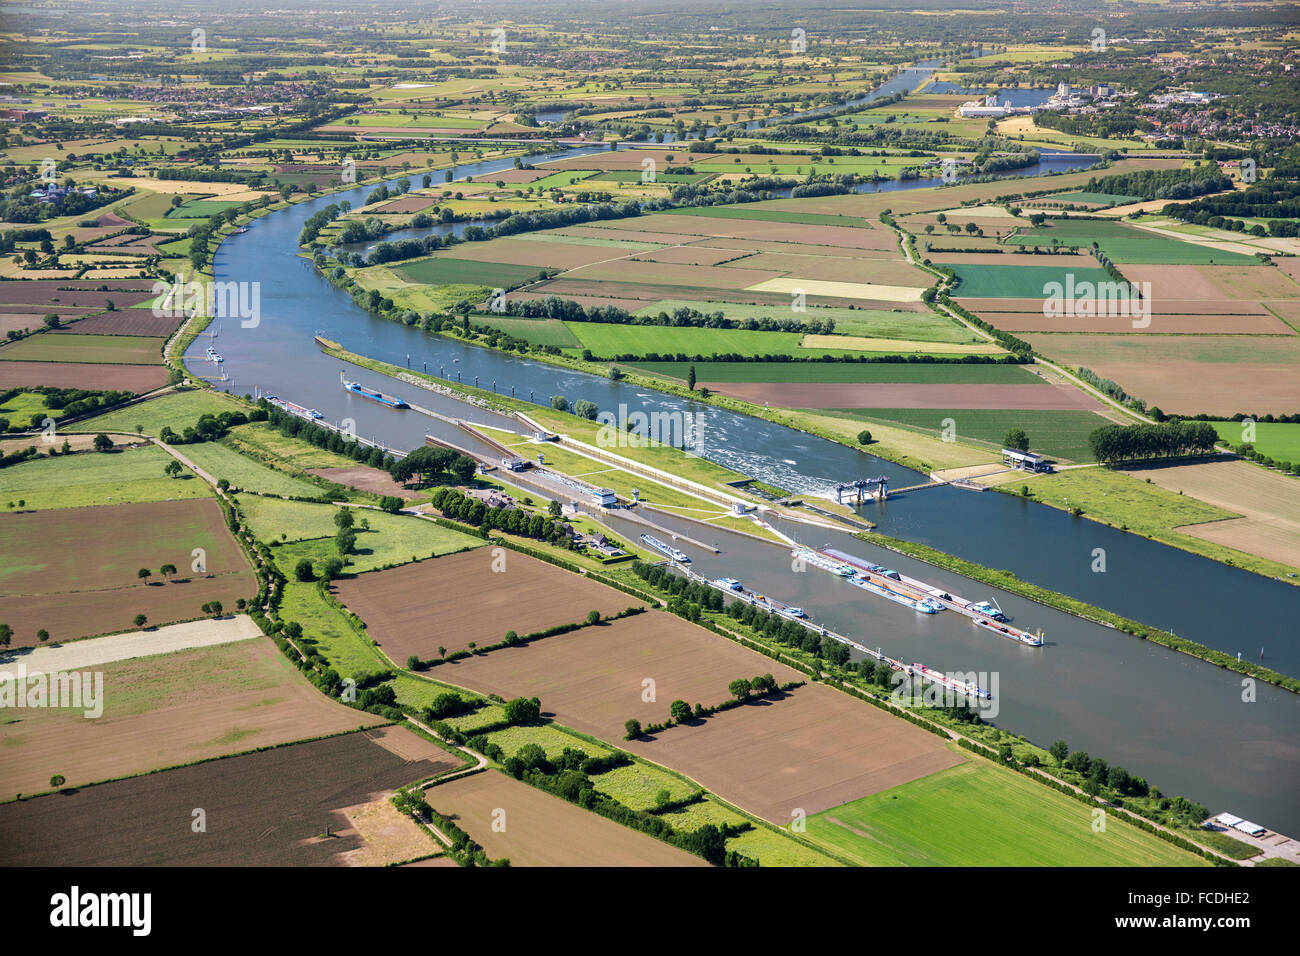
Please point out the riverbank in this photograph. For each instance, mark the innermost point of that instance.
(1063, 602)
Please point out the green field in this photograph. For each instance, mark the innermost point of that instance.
(309, 530)
(667, 175)
(903, 372)
(20, 409)
(244, 473)
(199, 209)
(179, 409)
(1017, 282)
(537, 331)
(869, 323)
(71, 347)
(445, 271)
(97, 478)
(1107, 199)
(606, 339)
(769, 847)
(1278, 440)
(264, 441)
(977, 814)
(1138, 248)
(1061, 434)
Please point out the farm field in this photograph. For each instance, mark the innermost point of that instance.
(1189, 374)
(307, 529)
(1278, 440)
(1018, 282)
(542, 830)
(920, 373)
(108, 377)
(78, 570)
(122, 476)
(172, 709)
(444, 270)
(1057, 433)
(962, 816)
(896, 395)
(1268, 503)
(456, 599)
(71, 347)
(245, 474)
(263, 809)
(536, 331)
(179, 409)
(591, 681)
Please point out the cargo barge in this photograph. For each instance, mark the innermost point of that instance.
(374, 395)
(665, 549)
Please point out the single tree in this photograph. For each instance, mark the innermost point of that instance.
(42, 635)
(679, 711)
(143, 574)
(102, 442)
(740, 688)
(593, 617)
(167, 570)
(303, 571)
(1059, 751)
(864, 437)
(6, 635)
(633, 728)
(1017, 439)
(690, 378)
(58, 780)
(141, 620)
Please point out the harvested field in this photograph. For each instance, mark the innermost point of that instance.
(867, 293)
(697, 255)
(262, 809)
(1219, 375)
(1268, 502)
(542, 830)
(365, 478)
(860, 343)
(105, 378)
(53, 295)
(169, 710)
(887, 272)
(450, 601)
(768, 757)
(904, 395)
(387, 835)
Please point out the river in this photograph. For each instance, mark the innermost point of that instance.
(1175, 720)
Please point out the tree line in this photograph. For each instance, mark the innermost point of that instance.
(1115, 443)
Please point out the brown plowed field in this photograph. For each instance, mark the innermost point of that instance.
(450, 601)
(81, 293)
(695, 255)
(794, 248)
(104, 378)
(811, 748)
(262, 809)
(890, 395)
(542, 830)
(128, 322)
(78, 570)
(587, 301)
(169, 710)
(364, 477)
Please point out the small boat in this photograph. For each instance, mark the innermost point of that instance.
(730, 584)
(796, 612)
(989, 609)
(314, 414)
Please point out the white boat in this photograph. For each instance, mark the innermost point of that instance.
(666, 549)
(796, 612)
(731, 584)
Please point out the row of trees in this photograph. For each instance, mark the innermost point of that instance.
(1115, 443)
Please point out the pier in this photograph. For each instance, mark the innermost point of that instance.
(913, 670)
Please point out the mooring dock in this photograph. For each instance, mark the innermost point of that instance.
(915, 670)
